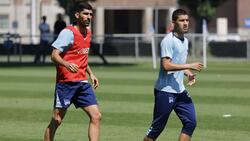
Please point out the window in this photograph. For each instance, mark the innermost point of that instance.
(4, 21)
(4, 2)
(123, 21)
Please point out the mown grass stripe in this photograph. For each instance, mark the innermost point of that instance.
(224, 84)
(194, 91)
(217, 109)
(124, 119)
(27, 93)
(146, 98)
(220, 92)
(27, 79)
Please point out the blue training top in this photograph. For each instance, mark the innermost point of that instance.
(176, 49)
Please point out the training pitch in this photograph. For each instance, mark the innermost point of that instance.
(221, 97)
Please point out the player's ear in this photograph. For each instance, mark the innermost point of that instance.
(173, 23)
(77, 15)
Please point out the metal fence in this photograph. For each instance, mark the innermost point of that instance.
(137, 46)
(201, 47)
(11, 44)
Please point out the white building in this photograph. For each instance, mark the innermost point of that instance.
(110, 16)
(23, 17)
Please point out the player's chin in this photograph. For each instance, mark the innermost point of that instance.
(185, 30)
(86, 24)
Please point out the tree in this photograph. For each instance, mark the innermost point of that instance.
(201, 9)
(68, 6)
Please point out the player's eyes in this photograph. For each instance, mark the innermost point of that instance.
(184, 20)
(87, 13)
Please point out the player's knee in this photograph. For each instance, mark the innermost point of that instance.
(189, 127)
(96, 118)
(57, 120)
(192, 125)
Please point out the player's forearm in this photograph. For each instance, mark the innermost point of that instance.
(89, 71)
(56, 58)
(175, 67)
(169, 66)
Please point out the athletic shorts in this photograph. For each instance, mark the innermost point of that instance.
(80, 94)
(165, 103)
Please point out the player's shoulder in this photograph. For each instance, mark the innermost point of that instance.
(66, 32)
(65, 36)
(168, 38)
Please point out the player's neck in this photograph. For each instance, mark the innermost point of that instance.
(178, 34)
(81, 29)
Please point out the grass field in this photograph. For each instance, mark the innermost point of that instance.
(126, 101)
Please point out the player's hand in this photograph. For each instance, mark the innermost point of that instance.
(196, 66)
(191, 80)
(94, 80)
(72, 67)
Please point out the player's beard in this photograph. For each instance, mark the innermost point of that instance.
(185, 31)
(86, 22)
(182, 30)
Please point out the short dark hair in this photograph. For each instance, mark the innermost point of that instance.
(81, 5)
(177, 13)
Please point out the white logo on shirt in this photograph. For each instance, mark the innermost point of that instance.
(83, 51)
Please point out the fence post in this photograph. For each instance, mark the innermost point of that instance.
(100, 48)
(136, 47)
(248, 49)
(193, 46)
(153, 52)
(20, 48)
(204, 42)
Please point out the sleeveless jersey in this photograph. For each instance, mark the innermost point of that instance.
(77, 54)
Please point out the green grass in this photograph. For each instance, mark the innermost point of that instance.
(126, 102)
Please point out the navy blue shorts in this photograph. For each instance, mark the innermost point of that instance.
(80, 94)
(165, 103)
